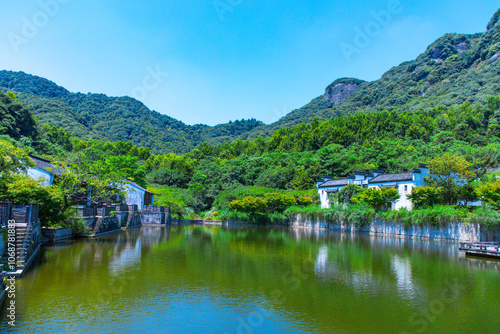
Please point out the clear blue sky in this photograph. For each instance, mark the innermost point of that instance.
(225, 59)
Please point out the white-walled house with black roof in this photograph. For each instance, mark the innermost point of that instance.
(43, 170)
(135, 194)
(46, 172)
(403, 182)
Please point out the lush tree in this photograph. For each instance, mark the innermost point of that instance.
(177, 199)
(168, 177)
(198, 189)
(490, 193)
(377, 198)
(79, 186)
(425, 196)
(21, 189)
(58, 136)
(13, 159)
(123, 166)
(249, 204)
(451, 171)
(346, 194)
(302, 180)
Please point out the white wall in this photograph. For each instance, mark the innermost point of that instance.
(37, 174)
(404, 201)
(323, 197)
(134, 196)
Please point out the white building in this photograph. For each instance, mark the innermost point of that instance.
(403, 182)
(43, 170)
(135, 194)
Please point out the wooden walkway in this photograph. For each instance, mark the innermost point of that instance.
(484, 249)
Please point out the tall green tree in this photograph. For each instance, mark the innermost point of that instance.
(13, 159)
(451, 172)
(378, 198)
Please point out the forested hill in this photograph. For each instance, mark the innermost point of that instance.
(454, 69)
(116, 118)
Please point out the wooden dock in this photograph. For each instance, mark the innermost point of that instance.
(483, 249)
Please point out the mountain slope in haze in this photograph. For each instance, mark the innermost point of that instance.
(115, 118)
(454, 69)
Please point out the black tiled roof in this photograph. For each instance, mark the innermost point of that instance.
(392, 177)
(46, 165)
(138, 186)
(334, 183)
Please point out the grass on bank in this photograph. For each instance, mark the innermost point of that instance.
(363, 214)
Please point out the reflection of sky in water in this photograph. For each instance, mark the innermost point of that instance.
(126, 258)
(195, 310)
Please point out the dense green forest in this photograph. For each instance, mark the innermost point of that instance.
(270, 175)
(454, 69)
(97, 116)
(288, 162)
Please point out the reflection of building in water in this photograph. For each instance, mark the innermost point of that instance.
(153, 235)
(479, 263)
(127, 257)
(321, 265)
(338, 270)
(402, 270)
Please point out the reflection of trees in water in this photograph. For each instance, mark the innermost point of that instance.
(236, 262)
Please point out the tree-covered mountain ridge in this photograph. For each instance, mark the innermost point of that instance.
(454, 69)
(98, 116)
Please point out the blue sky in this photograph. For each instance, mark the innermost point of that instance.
(211, 61)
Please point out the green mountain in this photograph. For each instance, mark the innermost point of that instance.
(454, 69)
(116, 118)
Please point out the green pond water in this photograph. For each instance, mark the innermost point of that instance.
(196, 279)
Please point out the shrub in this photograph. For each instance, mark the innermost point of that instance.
(377, 198)
(250, 205)
(311, 211)
(438, 215)
(278, 202)
(360, 214)
(424, 197)
(491, 193)
(486, 216)
(346, 194)
(304, 200)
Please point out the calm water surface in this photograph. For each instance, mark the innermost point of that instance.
(195, 279)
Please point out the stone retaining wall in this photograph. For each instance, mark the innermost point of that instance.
(53, 235)
(452, 232)
(156, 216)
